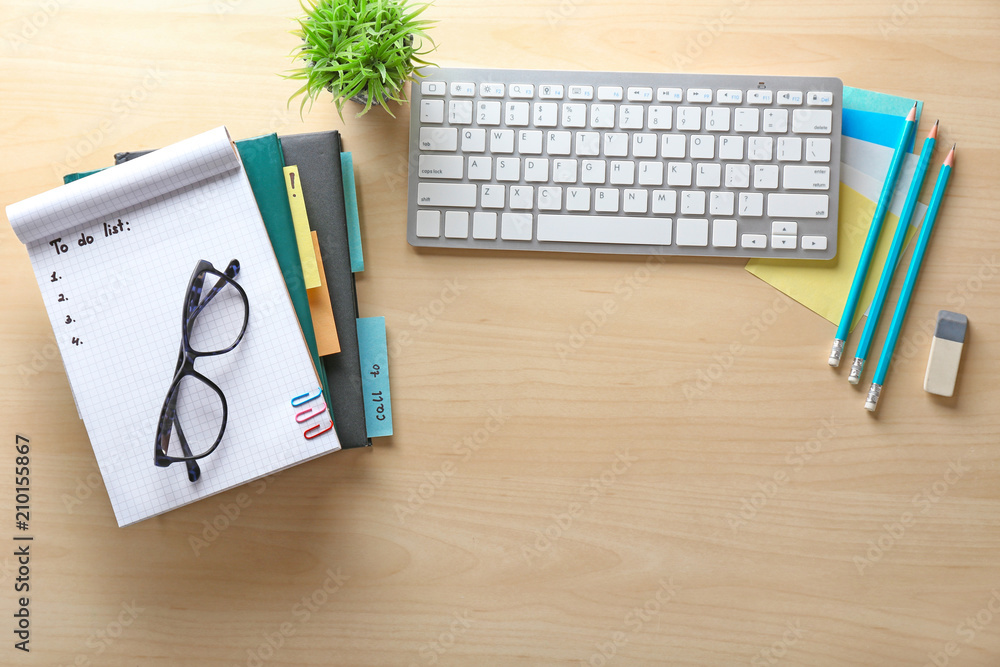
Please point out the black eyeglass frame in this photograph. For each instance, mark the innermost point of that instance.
(193, 306)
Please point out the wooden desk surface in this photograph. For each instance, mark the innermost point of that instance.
(598, 460)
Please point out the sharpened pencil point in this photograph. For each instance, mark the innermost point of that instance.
(913, 113)
(933, 133)
(950, 160)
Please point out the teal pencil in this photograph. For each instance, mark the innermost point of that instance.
(892, 261)
(874, 231)
(911, 278)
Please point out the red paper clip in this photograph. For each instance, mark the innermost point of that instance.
(313, 428)
(306, 397)
(309, 413)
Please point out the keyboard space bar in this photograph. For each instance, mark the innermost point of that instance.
(604, 229)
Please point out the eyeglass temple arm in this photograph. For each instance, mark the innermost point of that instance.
(231, 272)
(194, 472)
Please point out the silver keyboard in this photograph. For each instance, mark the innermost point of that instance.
(613, 162)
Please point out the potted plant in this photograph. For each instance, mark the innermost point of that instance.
(361, 50)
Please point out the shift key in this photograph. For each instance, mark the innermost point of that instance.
(459, 195)
(781, 205)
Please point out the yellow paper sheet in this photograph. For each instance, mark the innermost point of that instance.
(300, 220)
(321, 308)
(822, 286)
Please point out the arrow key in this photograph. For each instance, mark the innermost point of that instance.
(780, 242)
(787, 228)
(814, 243)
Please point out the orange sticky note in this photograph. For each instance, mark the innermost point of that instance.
(321, 309)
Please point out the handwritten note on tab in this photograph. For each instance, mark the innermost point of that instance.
(300, 219)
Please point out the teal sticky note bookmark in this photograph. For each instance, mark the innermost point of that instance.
(353, 219)
(374, 353)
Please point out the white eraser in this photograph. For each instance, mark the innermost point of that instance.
(946, 353)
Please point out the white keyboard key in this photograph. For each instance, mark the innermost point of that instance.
(441, 166)
(491, 90)
(737, 175)
(581, 92)
(660, 118)
(784, 228)
(438, 138)
(760, 149)
(789, 149)
(679, 174)
(765, 177)
(559, 143)
(699, 95)
(606, 200)
(622, 173)
(604, 229)
(588, 144)
(703, 146)
(436, 88)
(460, 112)
(753, 241)
(602, 116)
(724, 233)
(529, 142)
(751, 204)
(651, 173)
(458, 195)
(673, 146)
(546, 114)
(669, 95)
(616, 144)
(502, 141)
(484, 226)
(473, 141)
(790, 97)
(428, 224)
(796, 177)
(665, 202)
(594, 172)
(689, 118)
(776, 120)
(783, 205)
(493, 196)
(722, 203)
(522, 197)
(515, 226)
(536, 170)
(717, 119)
(578, 199)
(522, 91)
(610, 93)
(463, 89)
(508, 169)
(760, 96)
(518, 114)
(708, 175)
(574, 115)
(640, 94)
(432, 111)
(456, 225)
(693, 202)
(636, 201)
(812, 121)
(820, 99)
(730, 97)
(564, 171)
(730, 148)
(480, 168)
(818, 150)
(814, 243)
(488, 113)
(782, 242)
(746, 120)
(551, 91)
(692, 232)
(549, 199)
(644, 145)
(630, 117)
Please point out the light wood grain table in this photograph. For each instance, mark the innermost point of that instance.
(598, 460)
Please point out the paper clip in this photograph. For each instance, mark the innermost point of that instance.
(313, 428)
(309, 413)
(305, 398)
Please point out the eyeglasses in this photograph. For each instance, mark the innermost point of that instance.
(214, 322)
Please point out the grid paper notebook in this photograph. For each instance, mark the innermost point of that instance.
(114, 286)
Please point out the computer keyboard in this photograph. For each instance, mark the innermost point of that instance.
(614, 162)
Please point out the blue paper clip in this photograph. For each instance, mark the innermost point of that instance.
(309, 413)
(313, 428)
(305, 398)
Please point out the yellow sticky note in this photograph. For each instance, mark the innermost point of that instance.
(321, 309)
(822, 286)
(300, 220)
